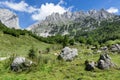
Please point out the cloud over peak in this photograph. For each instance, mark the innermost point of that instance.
(37, 14)
(47, 9)
(113, 10)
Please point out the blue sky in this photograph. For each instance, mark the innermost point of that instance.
(31, 11)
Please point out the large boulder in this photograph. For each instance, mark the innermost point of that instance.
(68, 54)
(20, 63)
(104, 62)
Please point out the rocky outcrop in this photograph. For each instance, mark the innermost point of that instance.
(68, 54)
(20, 63)
(70, 22)
(115, 48)
(104, 62)
(9, 18)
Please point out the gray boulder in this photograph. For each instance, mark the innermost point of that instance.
(115, 48)
(20, 63)
(104, 62)
(68, 54)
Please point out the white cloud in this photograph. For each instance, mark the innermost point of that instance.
(49, 8)
(37, 14)
(22, 6)
(113, 10)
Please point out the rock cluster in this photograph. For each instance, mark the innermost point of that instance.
(103, 63)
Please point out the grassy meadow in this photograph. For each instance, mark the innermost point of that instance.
(49, 68)
(10, 44)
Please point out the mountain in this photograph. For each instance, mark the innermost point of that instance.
(71, 22)
(9, 18)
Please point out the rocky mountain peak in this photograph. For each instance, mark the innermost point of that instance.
(9, 18)
(91, 12)
(102, 15)
(63, 23)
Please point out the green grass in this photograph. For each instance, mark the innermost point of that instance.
(110, 42)
(64, 71)
(10, 44)
(61, 70)
(50, 68)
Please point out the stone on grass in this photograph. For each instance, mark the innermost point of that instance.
(105, 48)
(115, 48)
(20, 63)
(68, 54)
(89, 65)
(104, 62)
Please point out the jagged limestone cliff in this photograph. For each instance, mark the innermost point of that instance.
(9, 18)
(71, 22)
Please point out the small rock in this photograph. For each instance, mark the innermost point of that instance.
(89, 65)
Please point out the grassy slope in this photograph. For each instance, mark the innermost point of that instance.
(10, 44)
(60, 70)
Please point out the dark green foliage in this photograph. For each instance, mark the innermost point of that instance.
(105, 32)
(32, 53)
(71, 41)
(59, 57)
(81, 39)
(12, 31)
(65, 41)
(49, 39)
(90, 40)
(18, 32)
(47, 50)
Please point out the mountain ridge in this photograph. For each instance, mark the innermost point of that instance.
(64, 23)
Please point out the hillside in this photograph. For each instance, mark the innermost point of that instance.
(108, 30)
(12, 42)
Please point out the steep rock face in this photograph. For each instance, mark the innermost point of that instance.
(70, 23)
(9, 18)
